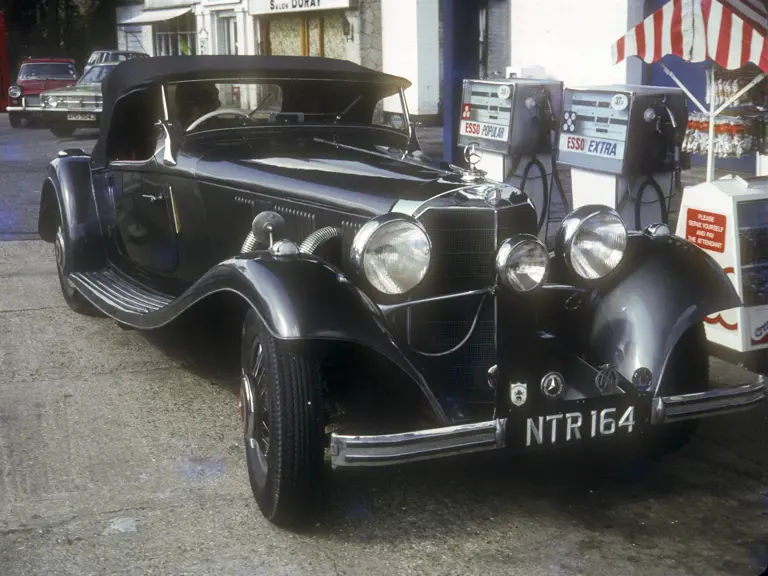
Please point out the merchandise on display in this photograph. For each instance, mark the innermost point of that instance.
(734, 136)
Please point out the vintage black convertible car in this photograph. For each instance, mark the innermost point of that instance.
(393, 308)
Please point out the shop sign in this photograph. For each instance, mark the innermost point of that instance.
(705, 230)
(282, 6)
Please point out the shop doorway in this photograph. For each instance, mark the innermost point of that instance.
(319, 34)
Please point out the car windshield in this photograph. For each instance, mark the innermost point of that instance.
(95, 75)
(197, 106)
(47, 71)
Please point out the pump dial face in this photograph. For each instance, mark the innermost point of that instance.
(504, 92)
(619, 102)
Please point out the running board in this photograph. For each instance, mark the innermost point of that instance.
(111, 289)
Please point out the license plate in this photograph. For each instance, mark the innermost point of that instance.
(578, 426)
(84, 117)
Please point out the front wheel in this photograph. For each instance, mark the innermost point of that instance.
(281, 410)
(62, 130)
(15, 119)
(688, 373)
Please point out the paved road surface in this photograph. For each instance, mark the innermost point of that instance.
(120, 453)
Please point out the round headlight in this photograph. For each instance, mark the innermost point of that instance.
(592, 239)
(14, 91)
(392, 252)
(521, 262)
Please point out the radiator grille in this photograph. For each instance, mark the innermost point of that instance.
(464, 244)
(463, 252)
(463, 248)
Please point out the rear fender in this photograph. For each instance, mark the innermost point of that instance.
(665, 286)
(68, 191)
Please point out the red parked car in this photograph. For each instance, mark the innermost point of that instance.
(36, 75)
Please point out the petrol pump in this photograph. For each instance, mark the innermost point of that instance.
(511, 121)
(622, 144)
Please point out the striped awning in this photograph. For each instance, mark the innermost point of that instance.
(729, 32)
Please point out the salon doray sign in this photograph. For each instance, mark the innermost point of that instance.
(281, 6)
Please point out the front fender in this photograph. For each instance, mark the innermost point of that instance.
(298, 297)
(665, 286)
(68, 192)
(302, 297)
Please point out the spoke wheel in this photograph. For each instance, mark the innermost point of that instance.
(282, 418)
(254, 406)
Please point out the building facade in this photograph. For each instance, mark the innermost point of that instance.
(402, 37)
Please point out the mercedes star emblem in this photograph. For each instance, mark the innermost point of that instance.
(553, 385)
(472, 155)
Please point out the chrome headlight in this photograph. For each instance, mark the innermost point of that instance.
(592, 240)
(521, 262)
(14, 91)
(49, 101)
(392, 252)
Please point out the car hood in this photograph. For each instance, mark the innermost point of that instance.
(354, 177)
(77, 90)
(37, 86)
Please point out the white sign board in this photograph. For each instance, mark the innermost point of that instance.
(282, 6)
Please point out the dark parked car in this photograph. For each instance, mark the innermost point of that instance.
(111, 57)
(393, 309)
(35, 76)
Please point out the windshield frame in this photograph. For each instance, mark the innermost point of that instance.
(29, 65)
(91, 70)
(405, 131)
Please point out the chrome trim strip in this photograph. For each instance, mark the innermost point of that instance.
(382, 155)
(388, 449)
(668, 409)
(387, 308)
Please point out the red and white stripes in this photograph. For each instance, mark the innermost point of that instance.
(696, 30)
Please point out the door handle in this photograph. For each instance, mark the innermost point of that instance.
(152, 198)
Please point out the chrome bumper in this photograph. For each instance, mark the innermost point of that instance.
(387, 449)
(669, 409)
(23, 109)
(422, 445)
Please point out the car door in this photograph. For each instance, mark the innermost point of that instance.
(144, 218)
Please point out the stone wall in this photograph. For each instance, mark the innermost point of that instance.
(369, 14)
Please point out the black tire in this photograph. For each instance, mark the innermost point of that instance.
(72, 297)
(15, 119)
(687, 373)
(62, 130)
(281, 388)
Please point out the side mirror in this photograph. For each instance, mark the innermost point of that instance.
(171, 141)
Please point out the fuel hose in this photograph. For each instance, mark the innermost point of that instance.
(649, 183)
(546, 188)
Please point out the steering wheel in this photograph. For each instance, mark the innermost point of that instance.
(217, 112)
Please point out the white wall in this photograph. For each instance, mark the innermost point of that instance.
(572, 39)
(152, 4)
(134, 38)
(411, 49)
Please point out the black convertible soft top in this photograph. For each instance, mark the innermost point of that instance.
(143, 72)
(135, 73)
